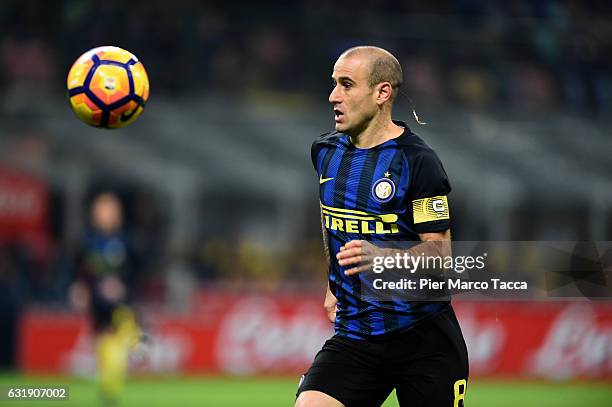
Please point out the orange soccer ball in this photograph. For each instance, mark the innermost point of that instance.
(108, 87)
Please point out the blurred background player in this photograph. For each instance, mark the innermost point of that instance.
(105, 266)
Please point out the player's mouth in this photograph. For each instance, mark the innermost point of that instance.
(338, 115)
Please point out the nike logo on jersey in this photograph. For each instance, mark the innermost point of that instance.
(323, 180)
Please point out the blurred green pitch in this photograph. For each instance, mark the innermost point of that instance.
(217, 391)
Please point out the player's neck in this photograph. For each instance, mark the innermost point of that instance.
(376, 133)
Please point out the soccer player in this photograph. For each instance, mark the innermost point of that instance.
(380, 182)
(105, 262)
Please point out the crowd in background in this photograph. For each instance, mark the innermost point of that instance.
(520, 54)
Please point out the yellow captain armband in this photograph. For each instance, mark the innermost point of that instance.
(430, 209)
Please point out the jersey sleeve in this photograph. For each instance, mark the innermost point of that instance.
(314, 151)
(429, 188)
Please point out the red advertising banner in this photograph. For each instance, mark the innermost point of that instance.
(251, 334)
(24, 211)
(23, 203)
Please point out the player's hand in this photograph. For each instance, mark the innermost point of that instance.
(79, 296)
(330, 305)
(140, 353)
(112, 288)
(359, 254)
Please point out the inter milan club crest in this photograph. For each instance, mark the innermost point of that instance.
(383, 190)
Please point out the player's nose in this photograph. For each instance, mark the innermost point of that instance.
(334, 96)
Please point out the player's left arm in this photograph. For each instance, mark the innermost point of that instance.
(359, 253)
(442, 247)
(434, 236)
(430, 218)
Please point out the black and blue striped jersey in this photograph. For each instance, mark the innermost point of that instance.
(390, 192)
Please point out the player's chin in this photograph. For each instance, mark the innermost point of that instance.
(341, 127)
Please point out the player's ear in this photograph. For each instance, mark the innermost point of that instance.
(384, 92)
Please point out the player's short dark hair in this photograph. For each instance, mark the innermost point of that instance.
(384, 67)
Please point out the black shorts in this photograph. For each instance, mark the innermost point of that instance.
(427, 365)
(102, 312)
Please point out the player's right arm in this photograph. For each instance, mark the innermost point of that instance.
(330, 303)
